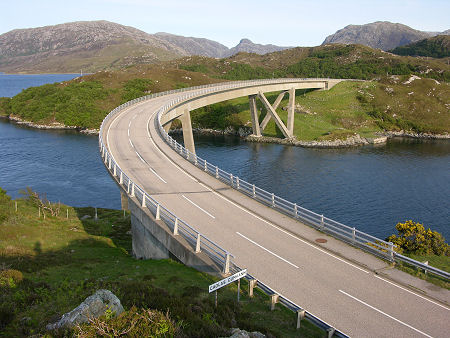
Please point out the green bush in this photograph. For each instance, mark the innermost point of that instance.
(5, 206)
(135, 88)
(413, 238)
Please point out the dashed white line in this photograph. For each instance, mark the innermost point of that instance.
(154, 172)
(140, 157)
(435, 303)
(384, 313)
(284, 260)
(198, 207)
(132, 145)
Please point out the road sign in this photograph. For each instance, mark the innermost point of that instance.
(228, 280)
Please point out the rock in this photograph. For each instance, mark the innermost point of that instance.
(94, 306)
(85, 217)
(238, 333)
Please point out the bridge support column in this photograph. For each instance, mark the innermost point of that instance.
(188, 136)
(275, 105)
(254, 115)
(274, 115)
(167, 126)
(291, 110)
(123, 199)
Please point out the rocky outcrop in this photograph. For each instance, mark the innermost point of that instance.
(52, 126)
(93, 307)
(352, 141)
(238, 333)
(245, 45)
(381, 34)
(411, 134)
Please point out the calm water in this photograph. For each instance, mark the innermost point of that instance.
(371, 188)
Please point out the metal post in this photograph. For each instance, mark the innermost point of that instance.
(231, 179)
(217, 172)
(226, 268)
(237, 182)
(206, 166)
(295, 210)
(254, 191)
(216, 300)
(330, 332)
(16, 205)
(391, 251)
(321, 222)
(39, 212)
(128, 187)
(121, 178)
(67, 213)
(175, 227)
(132, 189)
(300, 316)
(157, 216)
(273, 199)
(353, 234)
(143, 201)
(197, 246)
(115, 170)
(96, 216)
(273, 301)
(251, 285)
(109, 165)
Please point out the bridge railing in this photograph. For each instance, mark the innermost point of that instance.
(348, 234)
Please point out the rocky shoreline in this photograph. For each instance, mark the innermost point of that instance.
(246, 134)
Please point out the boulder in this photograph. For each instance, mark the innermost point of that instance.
(238, 333)
(94, 306)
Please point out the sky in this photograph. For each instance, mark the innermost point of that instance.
(283, 23)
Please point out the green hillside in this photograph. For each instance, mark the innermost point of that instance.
(435, 47)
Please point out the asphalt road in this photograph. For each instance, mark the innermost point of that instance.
(347, 295)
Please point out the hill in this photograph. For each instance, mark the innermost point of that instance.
(381, 34)
(436, 47)
(99, 45)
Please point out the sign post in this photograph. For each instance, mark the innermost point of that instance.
(237, 276)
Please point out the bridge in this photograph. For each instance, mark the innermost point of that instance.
(187, 208)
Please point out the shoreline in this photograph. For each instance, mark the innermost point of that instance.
(245, 134)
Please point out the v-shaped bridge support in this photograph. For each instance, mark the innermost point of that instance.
(288, 131)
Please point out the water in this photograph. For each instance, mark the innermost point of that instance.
(371, 188)
(12, 84)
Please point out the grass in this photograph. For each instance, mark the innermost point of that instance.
(49, 266)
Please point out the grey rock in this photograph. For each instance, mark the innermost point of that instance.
(245, 45)
(381, 34)
(238, 333)
(85, 217)
(94, 306)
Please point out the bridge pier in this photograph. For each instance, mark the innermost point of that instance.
(167, 126)
(188, 136)
(254, 114)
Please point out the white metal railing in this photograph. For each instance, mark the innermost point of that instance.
(220, 256)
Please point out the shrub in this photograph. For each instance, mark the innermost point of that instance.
(10, 278)
(5, 206)
(413, 238)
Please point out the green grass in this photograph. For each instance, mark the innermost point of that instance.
(64, 260)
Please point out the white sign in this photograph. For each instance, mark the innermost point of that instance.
(228, 280)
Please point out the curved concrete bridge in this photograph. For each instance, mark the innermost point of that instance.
(170, 196)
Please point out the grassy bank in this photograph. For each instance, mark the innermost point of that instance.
(49, 266)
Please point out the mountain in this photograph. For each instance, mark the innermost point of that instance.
(245, 45)
(195, 46)
(436, 47)
(381, 34)
(97, 45)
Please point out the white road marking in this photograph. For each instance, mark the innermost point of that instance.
(134, 117)
(140, 157)
(384, 313)
(284, 260)
(412, 293)
(243, 209)
(131, 143)
(199, 207)
(128, 132)
(151, 169)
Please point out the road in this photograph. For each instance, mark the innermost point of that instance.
(347, 295)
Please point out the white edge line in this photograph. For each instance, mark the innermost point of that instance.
(413, 293)
(243, 209)
(374, 308)
(198, 207)
(259, 245)
(140, 157)
(131, 143)
(151, 169)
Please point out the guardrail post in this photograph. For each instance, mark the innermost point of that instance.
(128, 187)
(300, 316)
(121, 178)
(273, 301)
(197, 245)
(330, 332)
(217, 172)
(206, 166)
(226, 267)
(115, 171)
(109, 165)
(322, 224)
(273, 199)
(391, 251)
(175, 227)
(353, 234)
(132, 189)
(195, 159)
(143, 201)
(295, 210)
(237, 182)
(251, 285)
(231, 179)
(157, 215)
(254, 191)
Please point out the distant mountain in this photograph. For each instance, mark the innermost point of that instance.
(245, 45)
(96, 45)
(436, 47)
(195, 46)
(381, 34)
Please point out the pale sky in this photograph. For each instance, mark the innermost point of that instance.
(283, 23)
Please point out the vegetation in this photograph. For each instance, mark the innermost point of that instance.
(49, 266)
(435, 47)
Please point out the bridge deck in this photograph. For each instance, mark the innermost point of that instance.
(274, 248)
